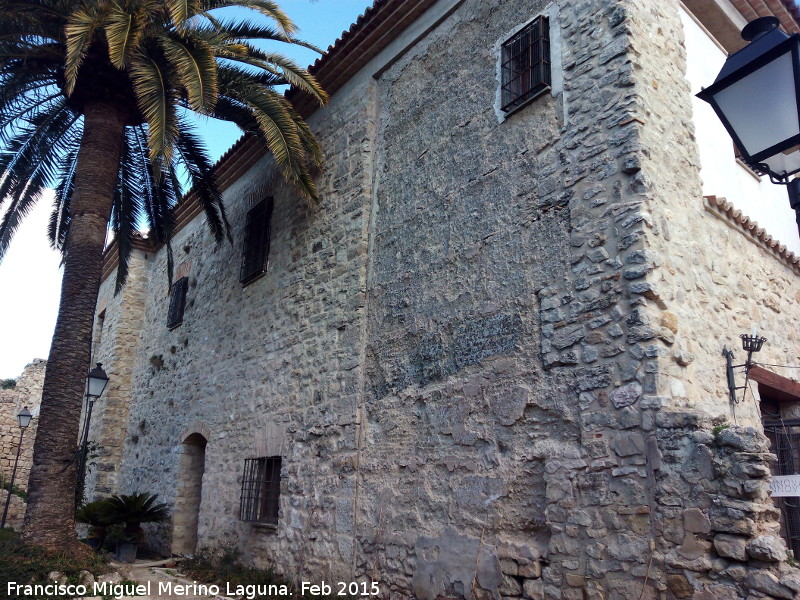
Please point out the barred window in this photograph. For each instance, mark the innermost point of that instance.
(256, 241)
(261, 488)
(525, 64)
(177, 302)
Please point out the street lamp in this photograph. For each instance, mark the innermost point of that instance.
(24, 418)
(757, 97)
(96, 382)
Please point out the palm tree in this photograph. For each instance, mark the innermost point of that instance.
(94, 99)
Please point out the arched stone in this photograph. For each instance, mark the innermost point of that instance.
(186, 511)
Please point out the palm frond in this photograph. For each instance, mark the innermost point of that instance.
(280, 66)
(123, 30)
(194, 62)
(156, 99)
(36, 147)
(25, 176)
(265, 7)
(80, 30)
(126, 208)
(60, 219)
(195, 159)
(182, 10)
(278, 129)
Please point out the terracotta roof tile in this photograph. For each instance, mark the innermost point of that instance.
(727, 210)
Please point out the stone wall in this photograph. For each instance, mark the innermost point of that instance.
(471, 354)
(716, 526)
(271, 368)
(460, 416)
(28, 392)
(116, 334)
(708, 280)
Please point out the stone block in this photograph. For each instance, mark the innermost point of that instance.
(628, 444)
(746, 439)
(680, 419)
(510, 586)
(533, 589)
(532, 570)
(769, 548)
(764, 581)
(695, 521)
(731, 546)
(693, 548)
(791, 580)
(626, 395)
(680, 586)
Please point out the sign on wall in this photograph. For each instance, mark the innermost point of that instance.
(784, 486)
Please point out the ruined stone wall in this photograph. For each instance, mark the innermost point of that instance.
(28, 392)
(116, 335)
(716, 528)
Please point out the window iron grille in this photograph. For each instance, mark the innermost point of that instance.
(177, 302)
(256, 241)
(261, 487)
(525, 64)
(784, 437)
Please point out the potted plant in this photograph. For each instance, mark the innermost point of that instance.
(133, 510)
(96, 515)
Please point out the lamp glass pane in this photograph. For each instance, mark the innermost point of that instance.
(784, 163)
(96, 386)
(24, 418)
(762, 107)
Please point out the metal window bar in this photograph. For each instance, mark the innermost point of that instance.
(785, 444)
(271, 491)
(525, 64)
(256, 241)
(177, 302)
(260, 497)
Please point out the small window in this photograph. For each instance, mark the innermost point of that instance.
(525, 63)
(261, 489)
(177, 302)
(256, 241)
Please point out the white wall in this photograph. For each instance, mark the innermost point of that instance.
(762, 201)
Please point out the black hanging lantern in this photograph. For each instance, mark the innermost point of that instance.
(96, 381)
(757, 97)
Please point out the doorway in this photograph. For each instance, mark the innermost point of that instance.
(186, 512)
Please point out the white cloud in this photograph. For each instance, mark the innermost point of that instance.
(30, 287)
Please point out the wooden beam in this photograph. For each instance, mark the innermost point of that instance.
(784, 389)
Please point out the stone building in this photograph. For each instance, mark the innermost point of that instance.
(26, 393)
(488, 364)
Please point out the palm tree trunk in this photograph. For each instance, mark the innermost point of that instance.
(50, 516)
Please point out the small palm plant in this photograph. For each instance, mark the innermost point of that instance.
(135, 509)
(96, 515)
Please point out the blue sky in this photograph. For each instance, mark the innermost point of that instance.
(30, 278)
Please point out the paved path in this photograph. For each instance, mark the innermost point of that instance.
(161, 583)
(164, 586)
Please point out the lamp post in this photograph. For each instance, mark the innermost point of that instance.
(96, 382)
(24, 418)
(757, 97)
